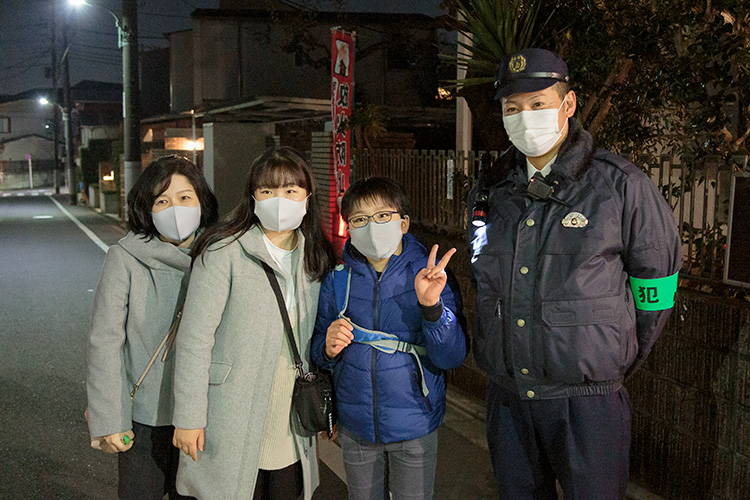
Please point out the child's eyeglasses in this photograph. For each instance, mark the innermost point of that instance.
(360, 221)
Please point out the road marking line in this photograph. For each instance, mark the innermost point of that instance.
(20, 194)
(83, 228)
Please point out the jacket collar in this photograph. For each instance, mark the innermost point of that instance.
(252, 243)
(410, 252)
(575, 154)
(573, 159)
(155, 253)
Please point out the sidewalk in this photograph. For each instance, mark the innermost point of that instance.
(463, 468)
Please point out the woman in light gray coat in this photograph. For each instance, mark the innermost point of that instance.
(234, 372)
(141, 289)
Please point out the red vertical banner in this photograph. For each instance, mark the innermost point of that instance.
(342, 94)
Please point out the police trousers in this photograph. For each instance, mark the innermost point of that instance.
(582, 442)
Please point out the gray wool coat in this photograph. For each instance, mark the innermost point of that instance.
(226, 353)
(141, 289)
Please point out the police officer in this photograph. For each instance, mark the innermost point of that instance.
(575, 255)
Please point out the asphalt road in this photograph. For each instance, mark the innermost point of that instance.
(48, 272)
(49, 268)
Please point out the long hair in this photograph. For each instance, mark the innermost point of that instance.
(275, 168)
(154, 180)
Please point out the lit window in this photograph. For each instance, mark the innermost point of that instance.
(4, 125)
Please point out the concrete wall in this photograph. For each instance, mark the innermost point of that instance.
(39, 148)
(230, 149)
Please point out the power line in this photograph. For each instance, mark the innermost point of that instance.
(26, 69)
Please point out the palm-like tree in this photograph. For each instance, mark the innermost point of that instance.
(496, 28)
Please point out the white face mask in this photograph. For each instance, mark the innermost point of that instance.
(377, 241)
(177, 223)
(280, 214)
(534, 133)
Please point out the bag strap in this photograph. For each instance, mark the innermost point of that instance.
(382, 341)
(169, 337)
(284, 316)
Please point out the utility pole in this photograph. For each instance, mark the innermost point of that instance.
(67, 106)
(55, 121)
(130, 95)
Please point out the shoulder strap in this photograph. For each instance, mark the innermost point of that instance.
(169, 341)
(284, 316)
(382, 341)
(342, 279)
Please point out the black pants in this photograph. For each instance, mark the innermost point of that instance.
(281, 484)
(148, 469)
(583, 442)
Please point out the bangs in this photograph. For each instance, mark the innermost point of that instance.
(162, 186)
(280, 175)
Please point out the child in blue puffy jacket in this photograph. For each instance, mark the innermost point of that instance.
(387, 327)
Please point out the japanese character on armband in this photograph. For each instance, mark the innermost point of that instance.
(655, 294)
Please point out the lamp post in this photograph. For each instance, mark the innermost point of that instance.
(69, 172)
(127, 29)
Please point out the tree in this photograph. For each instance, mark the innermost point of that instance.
(497, 28)
(647, 73)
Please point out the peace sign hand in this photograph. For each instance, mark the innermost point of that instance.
(430, 281)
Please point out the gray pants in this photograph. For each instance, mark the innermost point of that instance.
(405, 468)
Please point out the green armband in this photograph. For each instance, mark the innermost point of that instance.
(654, 294)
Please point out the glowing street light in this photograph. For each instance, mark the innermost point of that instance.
(118, 21)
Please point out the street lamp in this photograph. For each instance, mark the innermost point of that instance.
(127, 29)
(118, 23)
(69, 172)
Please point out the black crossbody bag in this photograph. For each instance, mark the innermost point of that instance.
(312, 399)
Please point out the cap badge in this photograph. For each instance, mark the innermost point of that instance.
(517, 64)
(575, 220)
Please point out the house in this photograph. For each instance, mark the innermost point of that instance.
(244, 78)
(27, 130)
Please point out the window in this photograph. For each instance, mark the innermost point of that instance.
(4, 125)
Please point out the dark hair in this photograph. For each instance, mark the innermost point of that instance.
(562, 89)
(275, 168)
(375, 189)
(154, 180)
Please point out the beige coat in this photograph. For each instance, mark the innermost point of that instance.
(226, 353)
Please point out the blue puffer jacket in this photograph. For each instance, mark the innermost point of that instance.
(378, 395)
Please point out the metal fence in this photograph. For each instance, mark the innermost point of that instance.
(437, 183)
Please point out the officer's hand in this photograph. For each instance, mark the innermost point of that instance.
(338, 336)
(189, 441)
(430, 281)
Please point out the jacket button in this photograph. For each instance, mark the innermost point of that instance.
(530, 394)
(524, 270)
(524, 371)
(529, 222)
(521, 322)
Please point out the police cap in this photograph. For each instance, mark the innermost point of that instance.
(529, 70)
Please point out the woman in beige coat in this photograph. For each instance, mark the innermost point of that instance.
(234, 372)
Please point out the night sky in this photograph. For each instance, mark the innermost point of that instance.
(26, 34)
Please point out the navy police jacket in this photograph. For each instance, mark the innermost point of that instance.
(378, 395)
(555, 314)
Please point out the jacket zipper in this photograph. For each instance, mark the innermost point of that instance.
(372, 368)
